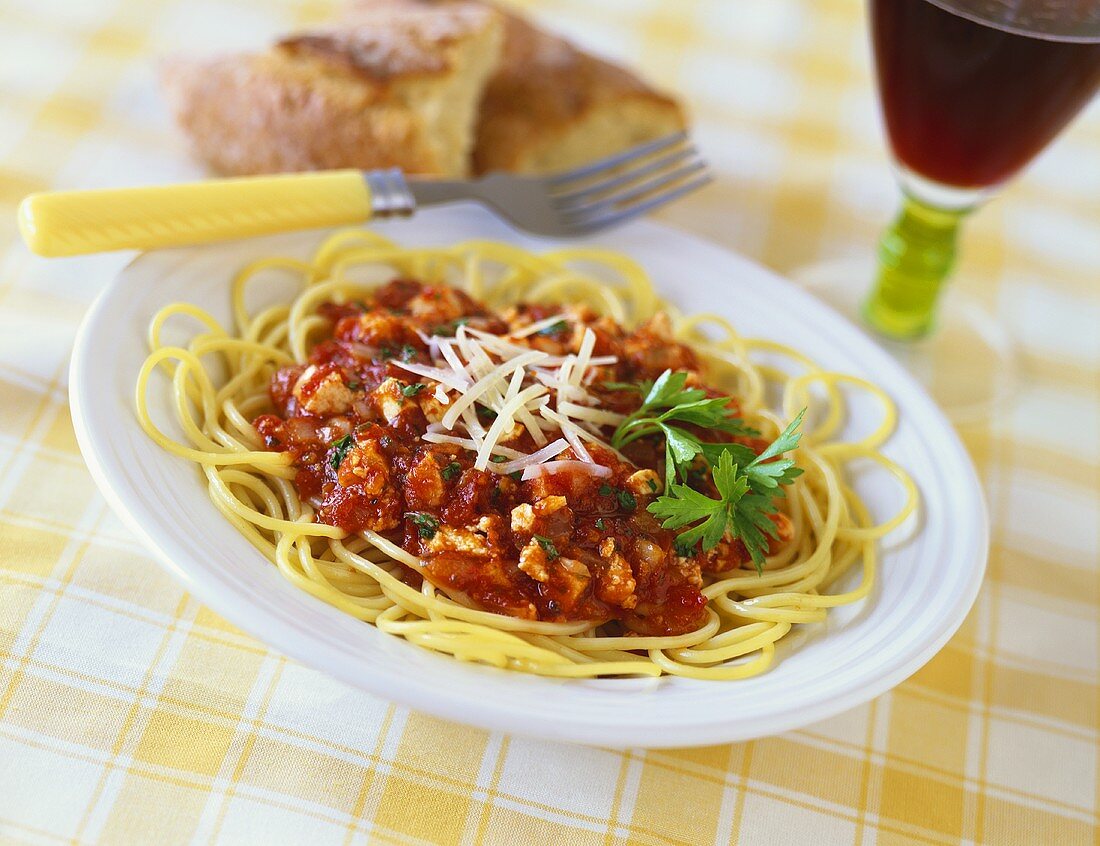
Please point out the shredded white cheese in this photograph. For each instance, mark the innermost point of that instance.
(519, 385)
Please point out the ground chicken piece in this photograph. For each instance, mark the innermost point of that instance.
(570, 581)
(449, 539)
(644, 483)
(389, 401)
(523, 519)
(440, 305)
(433, 409)
(550, 505)
(321, 391)
(688, 570)
(424, 486)
(373, 328)
(365, 465)
(534, 561)
(651, 348)
(615, 583)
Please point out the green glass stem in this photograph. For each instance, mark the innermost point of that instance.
(916, 256)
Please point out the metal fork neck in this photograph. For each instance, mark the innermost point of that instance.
(389, 193)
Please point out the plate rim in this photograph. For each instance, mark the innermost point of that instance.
(493, 715)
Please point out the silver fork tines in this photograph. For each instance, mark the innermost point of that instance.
(601, 194)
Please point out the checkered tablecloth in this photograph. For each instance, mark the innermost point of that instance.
(129, 713)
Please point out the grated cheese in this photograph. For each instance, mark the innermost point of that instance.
(550, 467)
(476, 368)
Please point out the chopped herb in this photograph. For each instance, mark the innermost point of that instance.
(606, 489)
(637, 387)
(361, 305)
(413, 389)
(516, 475)
(554, 328)
(426, 524)
(626, 500)
(746, 499)
(355, 385)
(487, 413)
(450, 471)
(547, 547)
(652, 484)
(600, 524)
(498, 459)
(451, 326)
(408, 352)
(386, 351)
(339, 451)
(684, 550)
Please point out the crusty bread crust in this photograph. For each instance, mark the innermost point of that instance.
(398, 83)
(397, 89)
(551, 106)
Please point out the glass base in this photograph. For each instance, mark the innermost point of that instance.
(967, 362)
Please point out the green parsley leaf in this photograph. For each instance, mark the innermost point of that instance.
(600, 523)
(637, 387)
(547, 546)
(426, 524)
(355, 385)
(451, 326)
(666, 404)
(498, 459)
(746, 497)
(450, 471)
(606, 489)
(339, 451)
(408, 352)
(555, 328)
(413, 389)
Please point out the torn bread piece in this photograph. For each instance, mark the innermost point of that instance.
(396, 87)
(550, 106)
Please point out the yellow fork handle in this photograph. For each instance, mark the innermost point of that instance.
(75, 222)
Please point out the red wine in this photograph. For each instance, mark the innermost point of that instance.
(968, 101)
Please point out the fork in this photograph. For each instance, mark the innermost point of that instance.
(580, 201)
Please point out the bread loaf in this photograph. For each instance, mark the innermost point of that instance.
(399, 87)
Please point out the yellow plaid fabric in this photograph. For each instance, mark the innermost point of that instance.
(131, 714)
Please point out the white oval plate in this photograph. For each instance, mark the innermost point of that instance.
(927, 583)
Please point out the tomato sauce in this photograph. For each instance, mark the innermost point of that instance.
(563, 547)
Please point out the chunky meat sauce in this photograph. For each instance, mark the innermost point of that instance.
(562, 547)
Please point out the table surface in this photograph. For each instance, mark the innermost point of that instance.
(130, 713)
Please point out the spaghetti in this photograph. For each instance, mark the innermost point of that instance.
(487, 385)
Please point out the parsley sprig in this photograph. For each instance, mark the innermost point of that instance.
(666, 403)
(747, 495)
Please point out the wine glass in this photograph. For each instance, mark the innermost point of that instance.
(971, 91)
